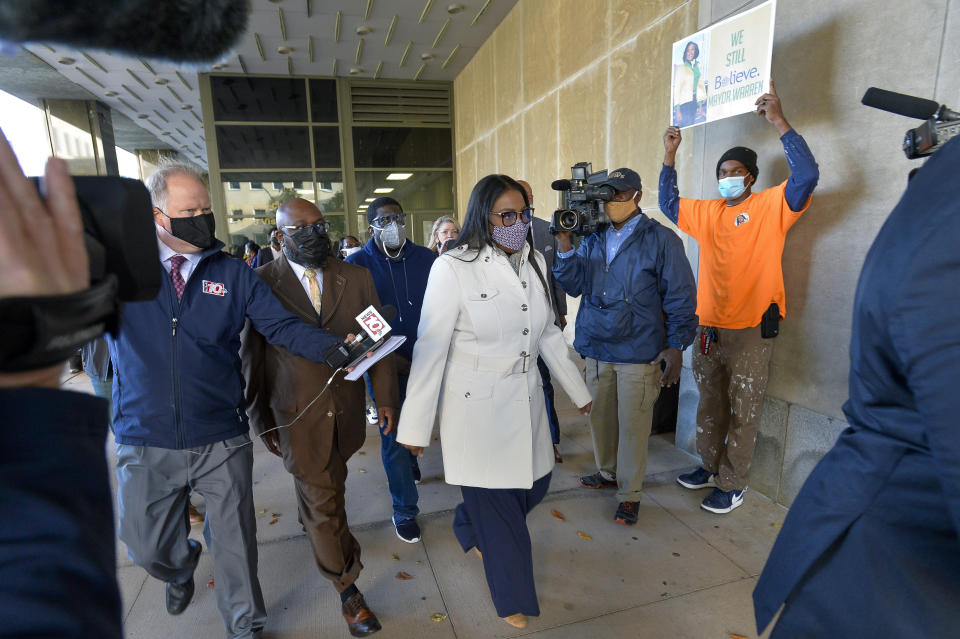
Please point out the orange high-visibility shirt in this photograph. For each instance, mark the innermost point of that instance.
(741, 248)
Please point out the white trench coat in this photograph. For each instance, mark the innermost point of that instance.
(475, 366)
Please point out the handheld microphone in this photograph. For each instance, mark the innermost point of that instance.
(375, 325)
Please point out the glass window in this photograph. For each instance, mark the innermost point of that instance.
(256, 185)
(338, 225)
(268, 147)
(277, 186)
(242, 99)
(419, 191)
(376, 147)
(330, 191)
(323, 100)
(326, 146)
(253, 210)
(234, 186)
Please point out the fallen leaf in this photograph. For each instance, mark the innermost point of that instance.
(676, 554)
(776, 525)
(210, 584)
(736, 636)
(438, 617)
(404, 576)
(361, 470)
(583, 535)
(263, 511)
(277, 514)
(361, 452)
(395, 558)
(558, 515)
(419, 563)
(273, 521)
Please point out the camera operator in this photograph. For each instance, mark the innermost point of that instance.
(870, 547)
(637, 303)
(57, 554)
(179, 415)
(740, 297)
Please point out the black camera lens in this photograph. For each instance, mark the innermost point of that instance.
(568, 220)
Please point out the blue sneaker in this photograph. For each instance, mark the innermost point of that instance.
(720, 501)
(407, 529)
(700, 478)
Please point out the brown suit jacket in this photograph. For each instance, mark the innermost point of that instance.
(280, 384)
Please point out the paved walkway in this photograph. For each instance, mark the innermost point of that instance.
(680, 572)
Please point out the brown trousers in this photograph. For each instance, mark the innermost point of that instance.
(731, 379)
(320, 498)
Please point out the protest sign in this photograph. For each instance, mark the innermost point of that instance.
(722, 70)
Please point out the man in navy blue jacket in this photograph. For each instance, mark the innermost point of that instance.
(637, 309)
(871, 546)
(400, 270)
(179, 415)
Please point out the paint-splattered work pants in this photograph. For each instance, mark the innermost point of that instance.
(732, 379)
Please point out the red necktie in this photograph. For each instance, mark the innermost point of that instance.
(178, 284)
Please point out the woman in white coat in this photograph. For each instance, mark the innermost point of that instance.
(486, 316)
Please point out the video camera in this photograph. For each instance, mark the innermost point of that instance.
(582, 198)
(121, 242)
(941, 124)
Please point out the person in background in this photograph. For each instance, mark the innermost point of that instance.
(486, 317)
(347, 246)
(637, 303)
(740, 296)
(327, 293)
(546, 243)
(400, 269)
(265, 257)
(444, 229)
(250, 251)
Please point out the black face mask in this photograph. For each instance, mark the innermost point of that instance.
(196, 230)
(310, 248)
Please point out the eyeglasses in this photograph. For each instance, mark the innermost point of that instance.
(385, 220)
(509, 218)
(191, 212)
(319, 227)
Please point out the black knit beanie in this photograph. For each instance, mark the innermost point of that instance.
(747, 157)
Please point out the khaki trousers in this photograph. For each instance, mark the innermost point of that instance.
(732, 380)
(620, 421)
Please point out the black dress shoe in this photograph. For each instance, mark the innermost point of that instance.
(179, 595)
(360, 620)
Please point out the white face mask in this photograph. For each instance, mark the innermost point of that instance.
(347, 252)
(393, 235)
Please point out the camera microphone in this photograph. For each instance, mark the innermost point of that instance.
(899, 103)
(560, 185)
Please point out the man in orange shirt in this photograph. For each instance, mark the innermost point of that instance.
(740, 296)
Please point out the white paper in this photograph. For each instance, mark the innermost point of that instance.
(388, 347)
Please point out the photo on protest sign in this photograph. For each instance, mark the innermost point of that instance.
(722, 70)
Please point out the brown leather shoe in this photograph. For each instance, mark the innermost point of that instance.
(196, 517)
(360, 620)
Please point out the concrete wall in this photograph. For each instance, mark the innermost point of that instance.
(563, 81)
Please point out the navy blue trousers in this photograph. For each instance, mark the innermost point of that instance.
(548, 399)
(495, 521)
(399, 465)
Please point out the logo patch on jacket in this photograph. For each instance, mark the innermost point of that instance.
(743, 218)
(214, 288)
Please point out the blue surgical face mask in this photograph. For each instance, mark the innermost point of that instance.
(731, 187)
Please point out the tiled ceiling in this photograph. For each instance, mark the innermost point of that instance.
(424, 40)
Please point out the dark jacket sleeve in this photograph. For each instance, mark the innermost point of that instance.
(253, 348)
(57, 555)
(668, 196)
(678, 290)
(280, 326)
(804, 172)
(571, 272)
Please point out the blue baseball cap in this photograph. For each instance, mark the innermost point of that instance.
(624, 179)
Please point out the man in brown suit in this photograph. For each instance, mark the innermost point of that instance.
(327, 293)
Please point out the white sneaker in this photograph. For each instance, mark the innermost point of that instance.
(372, 416)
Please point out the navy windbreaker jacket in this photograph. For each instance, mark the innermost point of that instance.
(177, 364)
(400, 283)
(633, 308)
